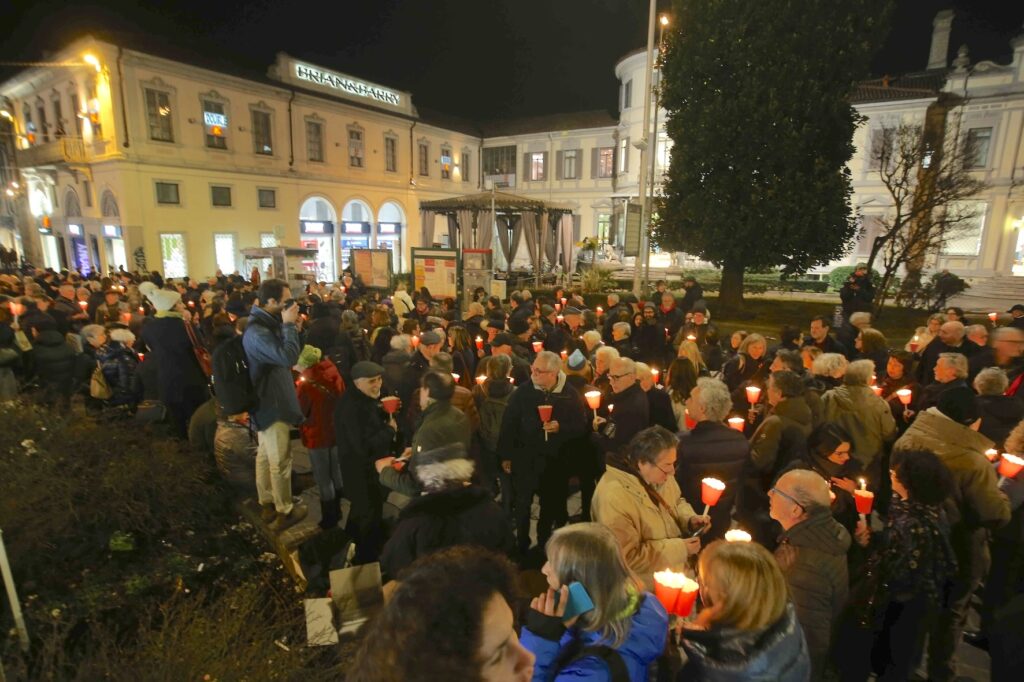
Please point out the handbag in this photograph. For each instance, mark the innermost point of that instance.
(22, 341)
(98, 386)
(202, 355)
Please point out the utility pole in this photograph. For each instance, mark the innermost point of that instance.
(645, 148)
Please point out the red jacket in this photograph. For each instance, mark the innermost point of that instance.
(318, 388)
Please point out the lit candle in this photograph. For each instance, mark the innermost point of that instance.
(83, 305)
(593, 400)
(874, 378)
(564, 354)
(753, 393)
(863, 499)
(1010, 465)
(905, 395)
(689, 337)
(558, 307)
(455, 377)
(914, 344)
(563, 300)
(142, 356)
(676, 592)
(560, 318)
(142, 311)
(877, 390)
(537, 346)
(655, 373)
(993, 317)
(481, 379)
(610, 409)
(737, 535)
(711, 490)
(992, 454)
(600, 310)
(737, 423)
(415, 341)
(545, 416)
(479, 343)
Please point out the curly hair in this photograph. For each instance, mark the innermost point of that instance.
(925, 477)
(432, 627)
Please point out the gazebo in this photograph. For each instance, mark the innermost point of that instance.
(548, 227)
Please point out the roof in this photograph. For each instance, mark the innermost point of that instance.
(576, 120)
(482, 201)
(922, 85)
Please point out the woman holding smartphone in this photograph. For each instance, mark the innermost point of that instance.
(594, 622)
(639, 499)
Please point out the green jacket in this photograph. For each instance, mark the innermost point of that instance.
(866, 417)
(781, 437)
(441, 424)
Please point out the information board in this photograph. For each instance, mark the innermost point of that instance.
(437, 270)
(373, 266)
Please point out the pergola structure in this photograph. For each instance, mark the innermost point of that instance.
(548, 228)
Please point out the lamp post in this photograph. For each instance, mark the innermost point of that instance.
(649, 198)
(645, 147)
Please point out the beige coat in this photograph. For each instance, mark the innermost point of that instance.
(648, 535)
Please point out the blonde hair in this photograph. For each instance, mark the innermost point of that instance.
(689, 350)
(746, 584)
(590, 554)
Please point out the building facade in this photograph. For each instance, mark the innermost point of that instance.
(127, 159)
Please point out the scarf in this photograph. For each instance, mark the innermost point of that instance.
(169, 313)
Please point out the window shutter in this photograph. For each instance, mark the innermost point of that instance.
(527, 168)
(579, 164)
(593, 162)
(545, 174)
(625, 157)
(558, 165)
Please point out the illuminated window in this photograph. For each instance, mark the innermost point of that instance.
(446, 163)
(224, 251)
(604, 162)
(537, 165)
(172, 253)
(215, 123)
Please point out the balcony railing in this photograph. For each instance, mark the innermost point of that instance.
(64, 150)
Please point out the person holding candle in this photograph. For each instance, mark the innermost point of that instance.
(748, 629)
(999, 413)
(899, 375)
(812, 554)
(491, 397)
(649, 338)
(748, 368)
(872, 345)
(670, 316)
(950, 373)
(658, 402)
(950, 431)
(680, 381)
(625, 631)
(540, 464)
(639, 499)
(504, 344)
(632, 410)
(712, 449)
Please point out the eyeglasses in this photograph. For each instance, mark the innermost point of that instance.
(538, 370)
(618, 376)
(788, 497)
(674, 465)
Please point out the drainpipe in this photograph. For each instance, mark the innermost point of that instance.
(120, 83)
(412, 156)
(291, 134)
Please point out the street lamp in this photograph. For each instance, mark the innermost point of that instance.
(645, 240)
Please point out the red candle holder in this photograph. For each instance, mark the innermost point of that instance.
(737, 423)
(753, 394)
(390, 403)
(545, 416)
(538, 346)
(1010, 465)
(676, 592)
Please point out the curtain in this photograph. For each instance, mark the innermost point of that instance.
(466, 229)
(503, 240)
(454, 234)
(484, 230)
(427, 226)
(517, 236)
(549, 239)
(565, 230)
(528, 227)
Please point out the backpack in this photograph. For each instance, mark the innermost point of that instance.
(232, 385)
(491, 413)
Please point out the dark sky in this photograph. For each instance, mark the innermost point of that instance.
(480, 59)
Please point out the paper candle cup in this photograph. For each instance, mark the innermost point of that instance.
(877, 390)
(415, 340)
(687, 598)
(737, 423)
(455, 377)
(753, 393)
(864, 499)
(479, 343)
(1010, 465)
(993, 317)
(559, 318)
(593, 399)
(992, 454)
(675, 591)
(537, 346)
(737, 535)
(481, 379)
(905, 395)
(691, 337)
(711, 490)
(545, 412)
(558, 307)
(564, 354)
(390, 404)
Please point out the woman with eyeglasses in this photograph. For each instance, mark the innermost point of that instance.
(748, 629)
(639, 500)
(624, 632)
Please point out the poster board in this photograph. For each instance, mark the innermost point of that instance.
(439, 270)
(631, 243)
(373, 267)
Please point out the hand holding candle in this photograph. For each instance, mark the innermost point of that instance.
(864, 499)
(676, 592)
(390, 403)
(545, 416)
(711, 490)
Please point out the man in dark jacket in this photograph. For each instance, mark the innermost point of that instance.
(659, 403)
(363, 437)
(670, 317)
(821, 336)
(504, 344)
(649, 339)
(631, 413)
(712, 449)
(450, 512)
(812, 554)
(55, 364)
(693, 293)
(537, 453)
(272, 346)
(952, 338)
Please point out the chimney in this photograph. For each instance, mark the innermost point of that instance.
(942, 25)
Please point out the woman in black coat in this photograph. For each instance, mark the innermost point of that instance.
(749, 367)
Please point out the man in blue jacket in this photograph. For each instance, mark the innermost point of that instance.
(272, 346)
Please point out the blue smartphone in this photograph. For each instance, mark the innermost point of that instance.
(579, 601)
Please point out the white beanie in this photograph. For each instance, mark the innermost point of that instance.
(163, 299)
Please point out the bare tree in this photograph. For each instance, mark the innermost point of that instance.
(925, 170)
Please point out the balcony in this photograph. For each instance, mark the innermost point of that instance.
(66, 150)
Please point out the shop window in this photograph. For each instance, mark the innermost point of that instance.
(224, 252)
(390, 154)
(315, 141)
(167, 193)
(355, 147)
(158, 115)
(215, 124)
(267, 198)
(978, 142)
(262, 137)
(220, 196)
(173, 255)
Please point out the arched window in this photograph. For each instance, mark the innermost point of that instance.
(108, 205)
(71, 206)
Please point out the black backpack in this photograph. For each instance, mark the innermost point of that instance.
(232, 385)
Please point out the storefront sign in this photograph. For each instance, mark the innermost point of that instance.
(346, 84)
(75, 230)
(112, 231)
(387, 228)
(355, 228)
(212, 119)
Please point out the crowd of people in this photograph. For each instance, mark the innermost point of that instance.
(479, 424)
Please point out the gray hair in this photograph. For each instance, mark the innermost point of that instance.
(643, 370)
(623, 327)
(991, 381)
(401, 342)
(548, 360)
(91, 332)
(606, 352)
(859, 318)
(714, 399)
(1000, 333)
(956, 362)
(859, 372)
(442, 362)
(809, 489)
(613, 298)
(628, 365)
(830, 365)
(592, 337)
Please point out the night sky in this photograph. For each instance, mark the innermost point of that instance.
(480, 59)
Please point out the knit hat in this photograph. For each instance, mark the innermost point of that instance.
(438, 468)
(546, 310)
(958, 404)
(366, 370)
(430, 338)
(163, 299)
(309, 356)
(577, 360)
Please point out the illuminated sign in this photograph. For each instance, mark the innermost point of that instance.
(112, 231)
(312, 227)
(75, 230)
(387, 228)
(353, 228)
(212, 119)
(347, 85)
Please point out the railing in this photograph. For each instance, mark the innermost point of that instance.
(64, 150)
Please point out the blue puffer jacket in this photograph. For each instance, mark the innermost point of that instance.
(777, 653)
(272, 349)
(644, 643)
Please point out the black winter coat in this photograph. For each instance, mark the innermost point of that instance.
(54, 361)
(179, 373)
(999, 414)
(660, 413)
(630, 416)
(715, 450)
(463, 516)
(363, 436)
